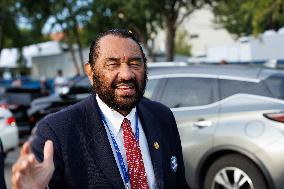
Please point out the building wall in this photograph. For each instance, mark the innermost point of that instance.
(47, 66)
(202, 32)
(268, 47)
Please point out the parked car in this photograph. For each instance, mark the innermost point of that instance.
(78, 89)
(8, 130)
(230, 120)
(18, 100)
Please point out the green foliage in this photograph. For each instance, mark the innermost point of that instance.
(81, 20)
(181, 43)
(245, 17)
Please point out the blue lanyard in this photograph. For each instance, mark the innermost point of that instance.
(118, 153)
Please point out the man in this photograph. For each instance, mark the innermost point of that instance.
(113, 139)
(59, 82)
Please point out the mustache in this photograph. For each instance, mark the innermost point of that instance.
(131, 81)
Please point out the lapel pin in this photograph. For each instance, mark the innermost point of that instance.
(174, 163)
(156, 145)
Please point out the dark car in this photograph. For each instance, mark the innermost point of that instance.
(18, 100)
(78, 89)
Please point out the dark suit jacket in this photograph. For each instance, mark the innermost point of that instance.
(2, 155)
(83, 156)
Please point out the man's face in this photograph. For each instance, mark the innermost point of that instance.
(119, 76)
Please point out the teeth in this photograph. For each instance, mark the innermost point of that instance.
(124, 87)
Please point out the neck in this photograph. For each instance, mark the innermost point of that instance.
(124, 113)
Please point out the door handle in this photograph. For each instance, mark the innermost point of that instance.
(202, 123)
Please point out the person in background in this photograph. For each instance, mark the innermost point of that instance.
(17, 83)
(44, 86)
(115, 138)
(59, 82)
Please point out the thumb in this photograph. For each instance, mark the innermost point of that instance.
(26, 148)
(48, 153)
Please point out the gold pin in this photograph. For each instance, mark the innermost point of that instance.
(156, 145)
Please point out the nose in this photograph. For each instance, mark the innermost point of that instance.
(125, 72)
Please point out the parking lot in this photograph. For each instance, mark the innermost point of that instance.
(11, 158)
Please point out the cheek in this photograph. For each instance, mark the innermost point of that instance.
(140, 76)
(106, 79)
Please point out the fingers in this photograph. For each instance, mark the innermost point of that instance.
(21, 167)
(25, 149)
(25, 158)
(27, 168)
(16, 181)
(48, 153)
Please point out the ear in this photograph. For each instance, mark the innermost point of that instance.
(89, 72)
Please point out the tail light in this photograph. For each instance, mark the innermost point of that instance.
(11, 121)
(275, 116)
(4, 106)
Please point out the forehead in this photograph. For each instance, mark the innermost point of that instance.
(118, 47)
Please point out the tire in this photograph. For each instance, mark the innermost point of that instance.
(224, 169)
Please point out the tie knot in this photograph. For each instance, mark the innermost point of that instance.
(126, 124)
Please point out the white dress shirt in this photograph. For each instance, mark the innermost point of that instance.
(114, 121)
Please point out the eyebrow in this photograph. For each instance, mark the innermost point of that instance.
(135, 59)
(112, 59)
(129, 60)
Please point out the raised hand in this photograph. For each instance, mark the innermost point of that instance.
(28, 173)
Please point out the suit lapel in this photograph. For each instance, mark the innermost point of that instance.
(99, 145)
(153, 135)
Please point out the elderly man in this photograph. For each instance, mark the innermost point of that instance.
(113, 139)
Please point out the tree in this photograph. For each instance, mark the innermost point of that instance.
(174, 12)
(141, 17)
(66, 16)
(247, 17)
(13, 33)
(181, 43)
(268, 15)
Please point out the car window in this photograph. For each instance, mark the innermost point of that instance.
(275, 85)
(231, 87)
(83, 83)
(186, 91)
(151, 87)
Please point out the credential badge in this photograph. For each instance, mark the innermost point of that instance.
(174, 163)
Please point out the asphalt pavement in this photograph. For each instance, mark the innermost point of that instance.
(9, 161)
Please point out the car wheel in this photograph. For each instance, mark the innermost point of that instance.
(234, 171)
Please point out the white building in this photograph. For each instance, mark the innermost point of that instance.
(9, 57)
(267, 46)
(202, 33)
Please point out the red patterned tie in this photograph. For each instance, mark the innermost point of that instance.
(136, 169)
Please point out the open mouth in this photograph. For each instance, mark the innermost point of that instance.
(125, 89)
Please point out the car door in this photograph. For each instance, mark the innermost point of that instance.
(193, 101)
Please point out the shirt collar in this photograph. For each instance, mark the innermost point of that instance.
(114, 118)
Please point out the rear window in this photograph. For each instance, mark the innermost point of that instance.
(232, 87)
(275, 84)
(22, 96)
